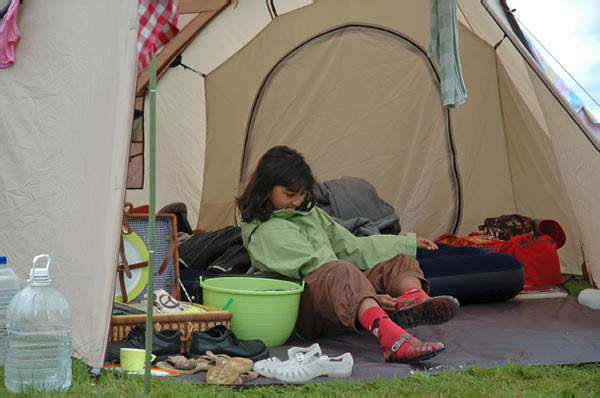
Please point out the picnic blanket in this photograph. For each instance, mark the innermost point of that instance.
(528, 332)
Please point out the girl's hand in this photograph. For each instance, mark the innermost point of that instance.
(388, 303)
(423, 243)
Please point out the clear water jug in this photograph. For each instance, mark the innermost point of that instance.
(9, 286)
(38, 353)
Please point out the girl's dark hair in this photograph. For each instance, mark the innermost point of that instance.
(283, 166)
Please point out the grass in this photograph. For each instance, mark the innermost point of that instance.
(575, 285)
(507, 381)
(569, 381)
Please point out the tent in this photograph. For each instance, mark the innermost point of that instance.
(65, 118)
(346, 82)
(350, 86)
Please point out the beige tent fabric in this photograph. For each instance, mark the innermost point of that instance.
(561, 124)
(478, 131)
(476, 19)
(65, 116)
(536, 177)
(578, 162)
(518, 71)
(232, 88)
(592, 124)
(477, 128)
(550, 192)
(348, 116)
(136, 152)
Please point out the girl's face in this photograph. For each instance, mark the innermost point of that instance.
(286, 198)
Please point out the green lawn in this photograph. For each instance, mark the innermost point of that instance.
(581, 380)
(506, 381)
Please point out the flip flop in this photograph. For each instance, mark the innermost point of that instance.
(229, 374)
(182, 364)
(243, 365)
(222, 374)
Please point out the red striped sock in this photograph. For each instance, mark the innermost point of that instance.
(397, 344)
(377, 322)
(413, 292)
(412, 296)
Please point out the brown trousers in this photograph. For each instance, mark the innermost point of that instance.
(333, 293)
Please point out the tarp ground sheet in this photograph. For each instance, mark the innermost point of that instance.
(529, 332)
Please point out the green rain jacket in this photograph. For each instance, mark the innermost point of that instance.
(295, 243)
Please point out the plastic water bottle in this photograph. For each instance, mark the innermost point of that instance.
(9, 286)
(38, 355)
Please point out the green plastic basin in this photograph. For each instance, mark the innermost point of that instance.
(262, 308)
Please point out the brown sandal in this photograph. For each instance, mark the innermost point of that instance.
(228, 370)
(222, 374)
(242, 364)
(216, 359)
(228, 374)
(246, 376)
(182, 364)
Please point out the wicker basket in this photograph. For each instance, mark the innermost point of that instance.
(122, 325)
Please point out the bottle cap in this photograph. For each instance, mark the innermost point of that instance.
(39, 276)
(2, 259)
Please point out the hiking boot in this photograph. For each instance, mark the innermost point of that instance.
(409, 349)
(221, 340)
(164, 344)
(417, 311)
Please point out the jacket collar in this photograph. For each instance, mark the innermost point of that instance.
(249, 228)
(288, 213)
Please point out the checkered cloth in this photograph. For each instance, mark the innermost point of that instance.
(443, 49)
(157, 25)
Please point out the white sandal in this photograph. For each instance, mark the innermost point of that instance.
(316, 366)
(296, 355)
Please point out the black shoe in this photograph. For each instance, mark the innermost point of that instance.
(164, 343)
(221, 340)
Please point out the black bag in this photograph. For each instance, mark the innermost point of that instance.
(235, 260)
(220, 251)
(180, 211)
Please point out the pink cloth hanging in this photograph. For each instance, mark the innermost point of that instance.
(9, 35)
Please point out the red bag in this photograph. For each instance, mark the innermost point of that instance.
(474, 239)
(538, 255)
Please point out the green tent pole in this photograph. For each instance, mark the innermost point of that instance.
(152, 225)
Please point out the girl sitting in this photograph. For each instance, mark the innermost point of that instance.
(359, 284)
